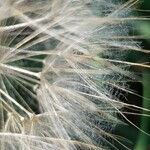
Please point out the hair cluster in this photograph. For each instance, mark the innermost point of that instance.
(60, 61)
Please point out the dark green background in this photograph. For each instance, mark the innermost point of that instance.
(139, 140)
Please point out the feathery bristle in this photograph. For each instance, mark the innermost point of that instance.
(58, 70)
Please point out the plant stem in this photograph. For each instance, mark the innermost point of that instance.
(143, 142)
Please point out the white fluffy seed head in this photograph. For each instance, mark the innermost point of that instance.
(58, 71)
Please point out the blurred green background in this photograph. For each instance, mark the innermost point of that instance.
(139, 140)
(143, 141)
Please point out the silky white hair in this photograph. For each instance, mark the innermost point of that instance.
(60, 61)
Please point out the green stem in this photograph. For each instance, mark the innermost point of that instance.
(143, 142)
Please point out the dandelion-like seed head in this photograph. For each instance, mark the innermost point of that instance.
(59, 64)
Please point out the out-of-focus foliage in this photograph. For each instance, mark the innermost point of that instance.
(143, 142)
(137, 139)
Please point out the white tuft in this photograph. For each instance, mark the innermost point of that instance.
(58, 70)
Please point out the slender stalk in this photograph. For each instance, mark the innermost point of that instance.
(24, 71)
(143, 140)
(15, 102)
